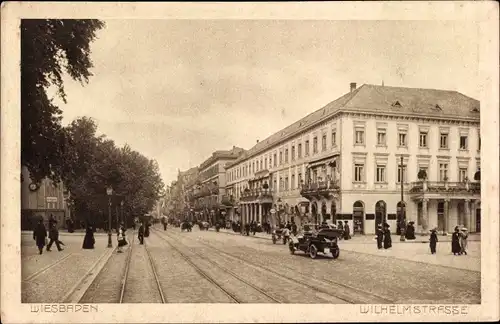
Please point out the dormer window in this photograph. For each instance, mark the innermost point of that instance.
(437, 107)
(475, 109)
(396, 104)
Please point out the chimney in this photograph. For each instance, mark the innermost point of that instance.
(353, 86)
(257, 141)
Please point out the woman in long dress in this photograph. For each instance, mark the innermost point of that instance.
(88, 240)
(455, 242)
(121, 240)
(464, 235)
(40, 235)
(387, 237)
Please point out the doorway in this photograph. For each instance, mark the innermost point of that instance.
(358, 216)
(380, 213)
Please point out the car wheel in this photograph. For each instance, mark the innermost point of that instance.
(336, 253)
(313, 251)
(292, 248)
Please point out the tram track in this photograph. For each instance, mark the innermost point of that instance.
(277, 288)
(346, 293)
(46, 268)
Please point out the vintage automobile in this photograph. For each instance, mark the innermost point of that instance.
(186, 226)
(322, 241)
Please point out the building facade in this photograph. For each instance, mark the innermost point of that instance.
(41, 201)
(207, 195)
(350, 161)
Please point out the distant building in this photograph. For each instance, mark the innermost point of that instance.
(42, 200)
(343, 163)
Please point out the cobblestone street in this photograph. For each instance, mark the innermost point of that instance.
(210, 267)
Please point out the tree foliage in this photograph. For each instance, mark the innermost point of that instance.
(94, 162)
(50, 47)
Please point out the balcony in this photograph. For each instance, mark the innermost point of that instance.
(263, 195)
(320, 189)
(465, 188)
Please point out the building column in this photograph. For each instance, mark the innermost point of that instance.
(446, 215)
(467, 213)
(260, 213)
(425, 218)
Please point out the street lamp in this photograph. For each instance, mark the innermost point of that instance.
(402, 217)
(109, 192)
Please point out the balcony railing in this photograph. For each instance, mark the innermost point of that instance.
(321, 185)
(256, 193)
(445, 186)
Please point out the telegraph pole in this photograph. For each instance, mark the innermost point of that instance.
(402, 204)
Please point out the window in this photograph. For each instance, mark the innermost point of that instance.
(462, 174)
(281, 183)
(281, 157)
(315, 145)
(478, 142)
(463, 142)
(275, 160)
(402, 174)
(293, 152)
(315, 175)
(443, 142)
(360, 137)
(402, 140)
(381, 139)
(260, 164)
(307, 148)
(293, 182)
(323, 143)
(334, 138)
(286, 183)
(265, 163)
(443, 171)
(358, 172)
(253, 167)
(286, 156)
(380, 173)
(299, 149)
(423, 139)
(299, 178)
(274, 184)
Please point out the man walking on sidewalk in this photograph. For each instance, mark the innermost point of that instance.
(39, 235)
(54, 237)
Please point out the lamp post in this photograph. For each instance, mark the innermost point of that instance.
(109, 192)
(403, 205)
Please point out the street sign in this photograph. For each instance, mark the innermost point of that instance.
(51, 199)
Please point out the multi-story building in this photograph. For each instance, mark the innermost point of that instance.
(347, 160)
(208, 194)
(41, 201)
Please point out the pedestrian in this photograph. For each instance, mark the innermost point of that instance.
(294, 228)
(464, 235)
(40, 235)
(140, 233)
(380, 236)
(387, 237)
(347, 231)
(121, 240)
(146, 229)
(410, 231)
(433, 241)
(455, 242)
(340, 227)
(54, 238)
(88, 240)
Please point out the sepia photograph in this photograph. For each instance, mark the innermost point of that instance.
(220, 161)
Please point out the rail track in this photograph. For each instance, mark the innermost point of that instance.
(46, 268)
(346, 293)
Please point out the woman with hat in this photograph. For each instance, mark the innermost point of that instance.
(464, 235)
(387, 237)
(455, 242)
(410, 231)
(433, 241)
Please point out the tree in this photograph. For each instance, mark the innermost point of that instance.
(49, 46)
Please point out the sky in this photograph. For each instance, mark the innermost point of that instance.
(177, 90)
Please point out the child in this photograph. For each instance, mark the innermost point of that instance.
(433, 241)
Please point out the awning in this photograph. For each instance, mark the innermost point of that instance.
(323, 161)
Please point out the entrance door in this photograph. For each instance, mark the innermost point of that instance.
(358, 215)
(380, 213)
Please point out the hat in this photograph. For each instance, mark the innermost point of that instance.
(379, 226)
(464, 229)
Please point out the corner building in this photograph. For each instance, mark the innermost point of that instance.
(346, 161)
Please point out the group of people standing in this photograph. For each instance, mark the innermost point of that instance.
(459, 241)
(384, 236)
(40, 236)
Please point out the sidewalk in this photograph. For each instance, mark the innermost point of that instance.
(366, 239)
(80, 232)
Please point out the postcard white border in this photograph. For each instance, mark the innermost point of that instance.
(484, 12)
